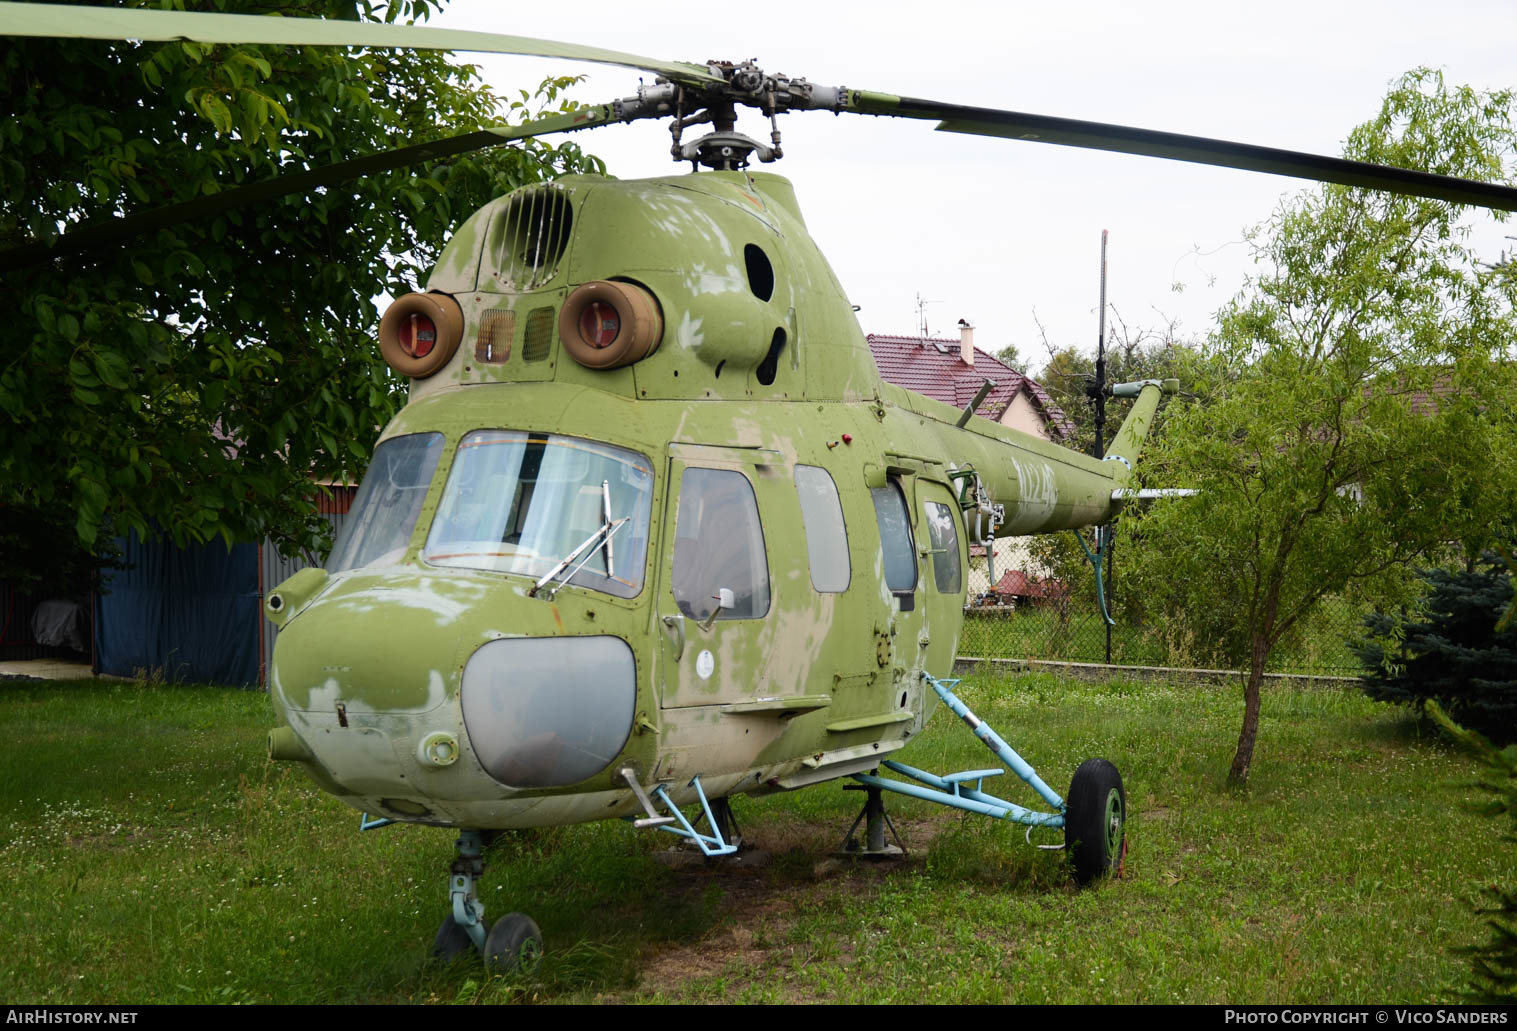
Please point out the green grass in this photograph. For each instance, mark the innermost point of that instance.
(151, 854)
(1039, 632)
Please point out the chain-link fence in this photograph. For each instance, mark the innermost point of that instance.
(1033, 617)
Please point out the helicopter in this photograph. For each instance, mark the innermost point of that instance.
(652, 531)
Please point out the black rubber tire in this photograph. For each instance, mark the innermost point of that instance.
(450, 942)
(515, 945)
(1095, 822)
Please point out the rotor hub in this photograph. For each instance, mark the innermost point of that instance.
(742, 84)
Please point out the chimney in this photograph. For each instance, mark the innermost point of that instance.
(966, 342)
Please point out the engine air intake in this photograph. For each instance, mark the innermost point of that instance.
(532, 236)
(419, 333)
(609, 323)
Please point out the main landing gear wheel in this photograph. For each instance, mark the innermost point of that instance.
(514, 945)
(1095, 821)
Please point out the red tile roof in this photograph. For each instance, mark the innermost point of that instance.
(933, 367)
(1017, 584)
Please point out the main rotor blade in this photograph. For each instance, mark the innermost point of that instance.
(116, 23)
(1072, 132)
(107, 231)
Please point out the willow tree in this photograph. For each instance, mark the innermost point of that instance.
(193, 380)
(1358, 414)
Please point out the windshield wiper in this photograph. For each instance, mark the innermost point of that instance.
(602, 537)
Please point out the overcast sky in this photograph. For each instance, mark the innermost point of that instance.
(995, 230)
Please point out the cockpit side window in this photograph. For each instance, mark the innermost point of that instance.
(895, 537)
(947, 574)
(378, 528)
(719, 543)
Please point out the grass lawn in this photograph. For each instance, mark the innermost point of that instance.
(152, 854)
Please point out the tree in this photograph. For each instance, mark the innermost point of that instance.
(1450, 650)
(1132, 353)
(1357, 414)
(193, 381)
(1493, 963)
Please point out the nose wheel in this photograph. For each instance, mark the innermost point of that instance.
(513, 944)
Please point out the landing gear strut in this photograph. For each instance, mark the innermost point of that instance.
(513, 943)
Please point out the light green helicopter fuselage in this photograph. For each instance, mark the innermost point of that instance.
(788, 534)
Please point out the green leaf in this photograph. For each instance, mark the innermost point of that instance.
(216, 110)
(111, 368)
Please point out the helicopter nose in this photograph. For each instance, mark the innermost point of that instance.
(549, 711)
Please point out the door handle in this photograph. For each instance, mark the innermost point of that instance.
(675, 625)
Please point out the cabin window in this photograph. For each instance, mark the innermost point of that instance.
(895, 537)
(826, 534)
(947, 574)
(719, 543)
(523, 502)
(378, 528)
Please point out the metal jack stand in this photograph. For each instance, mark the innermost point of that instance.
(875, 820)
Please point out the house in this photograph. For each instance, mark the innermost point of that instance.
(954, 371)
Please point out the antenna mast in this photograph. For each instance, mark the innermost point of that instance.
(1104, 534)
(1098, 389)
(922, 304)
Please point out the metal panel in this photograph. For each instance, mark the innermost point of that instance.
(274, 569)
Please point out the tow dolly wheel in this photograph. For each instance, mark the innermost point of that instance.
(1095, 821)
(514, 945)
(450, 942)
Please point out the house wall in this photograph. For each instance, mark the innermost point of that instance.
(1023, 415)
(196, 614)
(180, 614)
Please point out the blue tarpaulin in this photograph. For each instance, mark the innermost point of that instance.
(187, 614)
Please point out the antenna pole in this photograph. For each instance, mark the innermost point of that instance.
(1100, 387)
(1100, 447)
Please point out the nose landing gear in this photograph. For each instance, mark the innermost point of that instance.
(513, 944)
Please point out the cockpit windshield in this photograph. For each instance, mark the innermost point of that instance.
(378, 528)
(521, 502)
